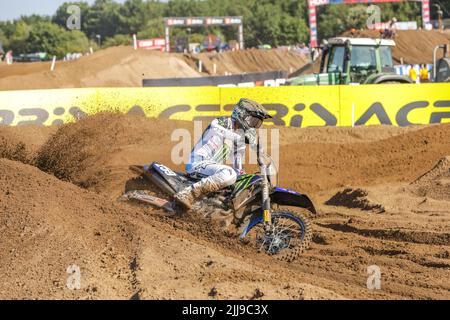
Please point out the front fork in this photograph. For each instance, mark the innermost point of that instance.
(267, 215)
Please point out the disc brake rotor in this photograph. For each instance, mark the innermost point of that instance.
(274, 240)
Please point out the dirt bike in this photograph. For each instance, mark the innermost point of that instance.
(253, 202)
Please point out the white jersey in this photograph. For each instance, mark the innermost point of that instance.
(219, 143)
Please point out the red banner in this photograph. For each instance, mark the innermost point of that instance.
(151, 44)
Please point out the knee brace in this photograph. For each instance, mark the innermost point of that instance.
(225, 177)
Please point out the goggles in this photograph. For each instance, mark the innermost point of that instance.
(253, 122)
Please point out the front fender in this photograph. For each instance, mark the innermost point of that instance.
(286, 197)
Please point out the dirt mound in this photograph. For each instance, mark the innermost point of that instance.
(413, 46)
(13, 149)
(21, 145)
(251, 60)
(48, 225)
(436, 182)
(124, 67)
(75, 147)
(332, 163)
(112, 67)
(344, 135)
(354, 198)
(95, 152)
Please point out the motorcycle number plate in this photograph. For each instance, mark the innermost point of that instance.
(166, 170)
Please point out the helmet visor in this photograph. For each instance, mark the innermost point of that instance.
(253, 122)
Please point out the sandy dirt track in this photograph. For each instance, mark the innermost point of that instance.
(112, 67)
(125, 67)
(382, 194)
(250, 60)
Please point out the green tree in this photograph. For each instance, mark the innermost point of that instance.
(132, 16)
(336, 19)
(152, 29)
(73, 41)
(268, 18)
(275, 22)
(34, 18)
(102, 18)
(186, 8)
(293, 30)
(18, 38)
(53, 39)
(118, 40)
(3, 40)
(445, 7)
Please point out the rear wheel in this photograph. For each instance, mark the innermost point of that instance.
(289, 236)
(141, 183)
(144, 182)
(138, 191)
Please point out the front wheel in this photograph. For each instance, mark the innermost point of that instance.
(290, 234)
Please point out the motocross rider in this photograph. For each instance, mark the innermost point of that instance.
(224, 138)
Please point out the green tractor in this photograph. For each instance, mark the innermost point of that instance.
(354, 61)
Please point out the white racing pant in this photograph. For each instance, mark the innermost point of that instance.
(219, 175)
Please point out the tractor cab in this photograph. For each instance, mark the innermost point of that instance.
(441, 67)
(354, 60)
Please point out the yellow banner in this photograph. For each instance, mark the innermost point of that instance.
(400, 105)
(299, 106)
(291, 106)
(45, 107)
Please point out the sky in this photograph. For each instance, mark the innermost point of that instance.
(11, 9)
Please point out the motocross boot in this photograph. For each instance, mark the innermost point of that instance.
(187, 196)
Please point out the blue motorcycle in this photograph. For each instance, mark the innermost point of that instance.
(274, 220)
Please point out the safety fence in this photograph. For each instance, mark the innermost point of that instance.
(297, 106)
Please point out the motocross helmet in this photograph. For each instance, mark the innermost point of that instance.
(249, 114)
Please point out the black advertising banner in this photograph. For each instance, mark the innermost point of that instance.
(248, 78)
